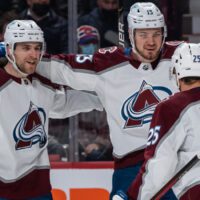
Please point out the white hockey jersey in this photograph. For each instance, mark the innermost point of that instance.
(173, 141)
(25, 105)
(129, 90)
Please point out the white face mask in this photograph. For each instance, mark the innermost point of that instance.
(88, 48)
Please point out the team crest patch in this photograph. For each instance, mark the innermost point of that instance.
(138, 109)
(30, 129)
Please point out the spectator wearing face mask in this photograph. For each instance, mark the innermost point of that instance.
(53, 25)
(105, 18)
(94, 142)
(88, 39)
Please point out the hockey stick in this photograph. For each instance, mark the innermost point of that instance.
(121, 23)
(176, 177)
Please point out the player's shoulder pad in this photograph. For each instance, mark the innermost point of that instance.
(108, 57)
(169, 48)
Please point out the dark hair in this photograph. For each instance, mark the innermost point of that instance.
(190, 80)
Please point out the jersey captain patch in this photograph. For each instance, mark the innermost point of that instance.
(138, 109)
(30, 129)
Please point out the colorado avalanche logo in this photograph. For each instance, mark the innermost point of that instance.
(138, 109)
(30, 130)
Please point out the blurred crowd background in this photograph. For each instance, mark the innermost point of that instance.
(83, 26)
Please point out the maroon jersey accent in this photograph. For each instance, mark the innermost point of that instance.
(5, 77)
(192, 193)
(169, 48)
(178, 102)
(108, 57)
(128, 160)
(36, 183)
(45, 81)
(32, 121)
(102, 59)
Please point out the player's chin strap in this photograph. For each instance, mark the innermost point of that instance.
(120, 195)
(13, 61)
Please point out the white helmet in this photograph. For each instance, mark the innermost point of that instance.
(186, 61)
(22, 31)
(145, 15)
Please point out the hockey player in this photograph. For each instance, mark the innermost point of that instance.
(129, 84)
(174, 133)
(27, 100)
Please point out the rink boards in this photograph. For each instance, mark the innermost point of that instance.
(81, 180)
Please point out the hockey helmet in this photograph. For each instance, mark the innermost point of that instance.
(186, 61)
(145, 15)
(22, 31)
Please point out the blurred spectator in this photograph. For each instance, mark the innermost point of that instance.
(56, 148)
(94, 142)
(94, 137)
(53, 25)
(60, 7)
(86, 6)
(58, 128)
(173, 11)
(105, 19)
(19, 5)
(88, 39)
(6, 5)
(6, 17)
(98, 152)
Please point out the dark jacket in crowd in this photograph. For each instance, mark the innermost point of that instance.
(55, 32)
(107, 24)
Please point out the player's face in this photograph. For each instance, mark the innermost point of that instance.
(27, 56)
(148, 42)
(184, 87)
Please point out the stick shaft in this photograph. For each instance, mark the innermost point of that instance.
(175, 178)
(121, 23)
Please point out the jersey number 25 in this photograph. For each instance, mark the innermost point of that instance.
(153, 135)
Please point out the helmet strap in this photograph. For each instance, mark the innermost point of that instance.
(13, 61)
